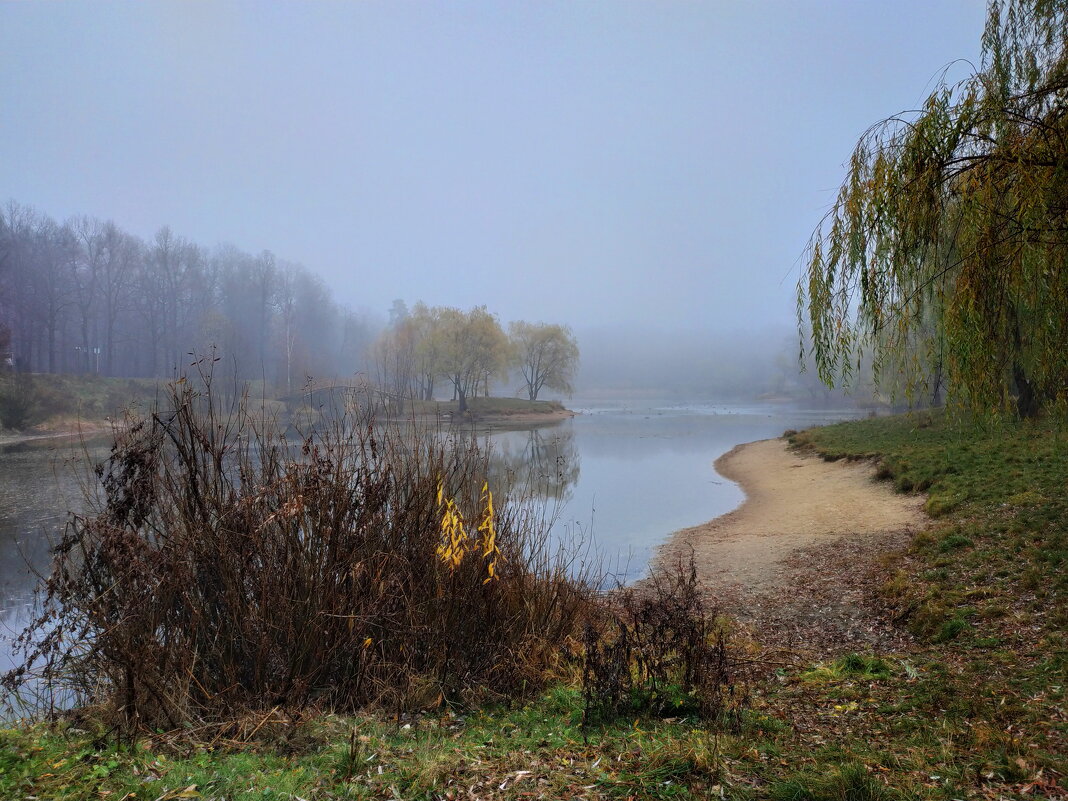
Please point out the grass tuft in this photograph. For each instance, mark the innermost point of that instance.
(850, 782)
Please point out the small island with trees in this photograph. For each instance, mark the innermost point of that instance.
(470, 352)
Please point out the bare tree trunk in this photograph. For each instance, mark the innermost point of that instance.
(1027, 402)
(52, 341)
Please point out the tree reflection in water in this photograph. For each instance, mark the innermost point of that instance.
(541, 463)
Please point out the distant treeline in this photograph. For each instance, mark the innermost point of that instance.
(84, 296)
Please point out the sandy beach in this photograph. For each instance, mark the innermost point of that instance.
(797, 557)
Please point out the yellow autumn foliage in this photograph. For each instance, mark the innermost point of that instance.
(456, 542)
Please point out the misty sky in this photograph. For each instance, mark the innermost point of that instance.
(593, 163)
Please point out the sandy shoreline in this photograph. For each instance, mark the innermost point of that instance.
(796, 545)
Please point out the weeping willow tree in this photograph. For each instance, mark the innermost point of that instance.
(944, 260)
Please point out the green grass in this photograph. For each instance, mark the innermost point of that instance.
(866, 666)
(1000, 495)
(851, 782)
(960, 465)
(985, 590)
(500, 752)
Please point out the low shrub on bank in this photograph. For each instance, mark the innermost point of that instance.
(226, 567)
(19, 403)
(655, 648)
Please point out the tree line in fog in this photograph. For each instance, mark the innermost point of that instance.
(84, 296)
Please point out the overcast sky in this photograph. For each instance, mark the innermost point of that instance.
(593, 163)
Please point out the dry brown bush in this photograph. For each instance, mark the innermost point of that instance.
(656, 648)
(227, 568)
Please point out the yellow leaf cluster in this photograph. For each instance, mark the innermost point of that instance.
(455, 541)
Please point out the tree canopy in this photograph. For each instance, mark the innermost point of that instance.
(473, 349)
(84, 296)
(469, 350)
(944, 255)
(546, 355)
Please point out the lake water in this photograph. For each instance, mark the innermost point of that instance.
(634, 475)
(627, 477)
(40, 480)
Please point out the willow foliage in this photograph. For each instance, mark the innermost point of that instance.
(945, 256)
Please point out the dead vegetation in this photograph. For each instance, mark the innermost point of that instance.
(657, 649)
(227, 568)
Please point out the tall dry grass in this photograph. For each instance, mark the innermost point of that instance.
(226, 567)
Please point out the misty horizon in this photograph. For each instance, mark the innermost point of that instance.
(657, 164)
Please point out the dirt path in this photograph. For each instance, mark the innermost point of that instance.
(797, 560)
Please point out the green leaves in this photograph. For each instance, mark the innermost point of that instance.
(945, 257)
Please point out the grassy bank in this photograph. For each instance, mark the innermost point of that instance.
(978, 710)
(491, 409)
(975, 710)
(45, 402)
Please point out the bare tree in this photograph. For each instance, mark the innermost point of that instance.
(86, 296)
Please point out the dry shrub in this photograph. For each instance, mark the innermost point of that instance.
(227, 568)
(657, 650)
(19, 402)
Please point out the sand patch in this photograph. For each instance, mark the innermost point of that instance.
(793, 555)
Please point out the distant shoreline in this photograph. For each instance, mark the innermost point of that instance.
(488, 412)
(501, 419)
(518, 419)
(84, 429)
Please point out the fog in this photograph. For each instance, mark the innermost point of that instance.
(646, 173)
(679, 364)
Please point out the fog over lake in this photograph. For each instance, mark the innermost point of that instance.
(619, 166)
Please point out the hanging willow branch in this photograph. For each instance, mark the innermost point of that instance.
(944, 255)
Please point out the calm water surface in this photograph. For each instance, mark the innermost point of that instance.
(627, 477)
(40, 480)
(636, 475)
